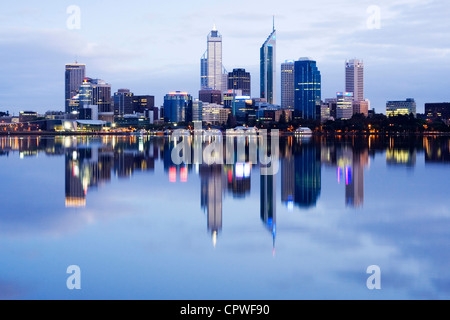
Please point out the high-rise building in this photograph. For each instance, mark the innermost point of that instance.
(210, 95)
(287, 85)
(178, 107)
(439, 111)
(239, 79)
(74, 77)
(214, 60)
(344, 105)
(204, 71)
(405, 107)
(123, 102)
(354, 78)
(268, 68)
(143, 102)
(307, 86)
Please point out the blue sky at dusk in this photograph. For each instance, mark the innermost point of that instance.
(154, 47)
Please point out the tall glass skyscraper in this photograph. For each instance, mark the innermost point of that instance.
(307, 86)
(287, 84)
(354, 78)
(74, 77)
(268, 68)
(204, 71)
(178, 107)
(214, 60)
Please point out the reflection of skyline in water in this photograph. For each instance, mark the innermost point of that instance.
(92, 162)
(160, 222)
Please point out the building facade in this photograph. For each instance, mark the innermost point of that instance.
(268, 68)
(74, 77)
(403, 107)
(214, 60)
(307, 86)
(354, 78)
(239, 79)
(287, 85)
(123, 102)
(344, 105)
(178, 107)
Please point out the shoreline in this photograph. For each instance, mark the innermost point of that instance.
(54, 134)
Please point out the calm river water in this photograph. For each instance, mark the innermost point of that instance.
(140, 227)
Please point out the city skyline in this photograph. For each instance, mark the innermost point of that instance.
(46, 44)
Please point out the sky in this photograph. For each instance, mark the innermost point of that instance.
(154, 47)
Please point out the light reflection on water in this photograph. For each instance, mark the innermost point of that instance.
(141, 227)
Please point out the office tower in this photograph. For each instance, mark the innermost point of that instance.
(224, 87)
(177, 107)
(307, 86)
(239, 79)
(95, 92)
(344, 105)
(74, 76)
(210, 95)
(325, 112)
(214, 60)
(215, 114)
(268, 66)
(354, 78)
(361, 107)
(204, 71)
(123, 102)
(287, 85)
(439, 111)
(143, 102)
(404, 107)
(197, 110)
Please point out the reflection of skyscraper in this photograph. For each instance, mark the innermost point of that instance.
(268, 203)
(211, 197)
(307, 175)
(75, 193)
(288, 180)
(353, 175)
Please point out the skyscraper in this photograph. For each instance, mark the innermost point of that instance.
(214, 60)
(307, 86)
(204, 71)
(354, 78)
(344, 105)
(74, 76)
(287, 84)
(239, 79)
(123, 102)
(268, 68)
(178, 107)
